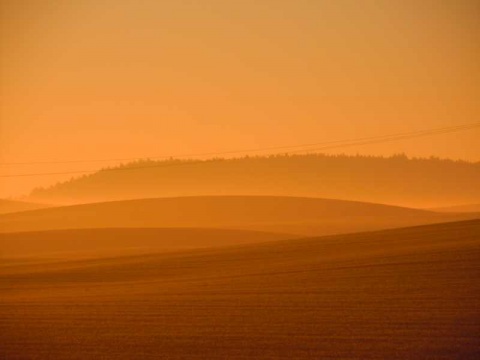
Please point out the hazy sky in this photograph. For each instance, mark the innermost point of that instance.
(92, 79)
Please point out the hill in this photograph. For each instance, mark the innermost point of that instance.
(301, 216)
(398, 294)
(11, 206)
(63, 244)
(470, 208)
(396, 180)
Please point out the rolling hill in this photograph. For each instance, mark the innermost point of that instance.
(469, 208)
(65, 244)
(407, 293)
(11, 206)
(301, 216)
(411, 182)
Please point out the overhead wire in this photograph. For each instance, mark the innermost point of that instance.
(313, 147)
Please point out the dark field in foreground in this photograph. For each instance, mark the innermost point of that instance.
(399, 294)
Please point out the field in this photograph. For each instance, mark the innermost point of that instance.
(274, 214)
(239, 180)
(10, 206)
(409, 293)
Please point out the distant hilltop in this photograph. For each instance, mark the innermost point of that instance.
(414, 182)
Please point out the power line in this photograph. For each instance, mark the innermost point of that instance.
(328, 146)
(114, 169)
(390, 139)
(325, 143)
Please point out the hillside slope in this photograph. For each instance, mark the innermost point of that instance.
(11, 206)
(470, 208)
(420, 183)
(398, 294)
(303, 216)
(105, 242)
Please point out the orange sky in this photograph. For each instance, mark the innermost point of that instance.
(107, 79)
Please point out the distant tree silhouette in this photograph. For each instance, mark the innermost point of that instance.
(395, 180)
